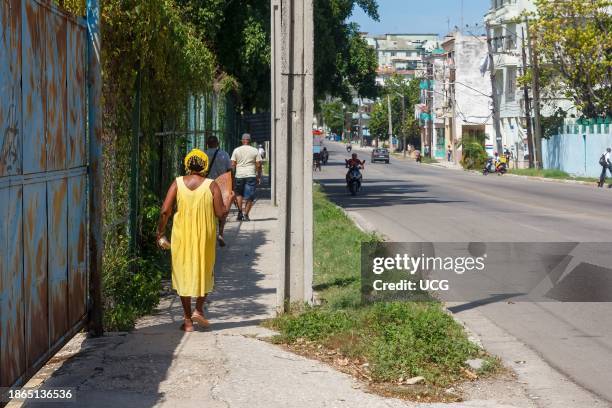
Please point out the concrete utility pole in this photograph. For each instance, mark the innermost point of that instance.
(360, 123)
(535, 77)
(496, 119)
(294, 149)
(530, 141)
(275, 52)
(404, 124)
(389, 117)
(453, 138)
(430, 102)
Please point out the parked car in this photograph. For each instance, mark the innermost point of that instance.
(380, 155)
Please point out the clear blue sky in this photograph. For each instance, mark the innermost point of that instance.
(418, 16)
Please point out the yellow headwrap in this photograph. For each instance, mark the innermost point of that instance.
(200, 155)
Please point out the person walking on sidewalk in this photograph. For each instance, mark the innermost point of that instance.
(220, 164)
(247, 163)
(606, 165)
(193, 242)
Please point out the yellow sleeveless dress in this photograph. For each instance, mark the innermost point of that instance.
(193, 241)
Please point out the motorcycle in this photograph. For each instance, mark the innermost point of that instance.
(354, 180)
(324, 157)
(491, 167)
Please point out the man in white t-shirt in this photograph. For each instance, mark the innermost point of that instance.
(247, 163)
(219, 163)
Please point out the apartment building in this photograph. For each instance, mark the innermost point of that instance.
(401, 54)
(507, 39)
(459, 96)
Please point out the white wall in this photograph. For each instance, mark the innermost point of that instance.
(471, 88)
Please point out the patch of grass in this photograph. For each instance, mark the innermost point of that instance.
(385, 342)
(266, 167)
(550, 173)
(337, 249)
(428, 160)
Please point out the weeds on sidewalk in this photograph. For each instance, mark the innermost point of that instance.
(384, 344)
(550, 173)
(428, 160)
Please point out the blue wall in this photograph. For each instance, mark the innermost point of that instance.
(577, 150)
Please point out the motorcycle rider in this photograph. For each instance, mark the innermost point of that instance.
(354, 162)
(324, 155)
(492, 162)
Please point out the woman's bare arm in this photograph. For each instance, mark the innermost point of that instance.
(166, 210)
(220, 209)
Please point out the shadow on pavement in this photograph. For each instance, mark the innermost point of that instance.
(380, 194)
(481, 302)
(138, 369)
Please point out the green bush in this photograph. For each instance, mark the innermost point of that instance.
(131, 286)
(474, 155)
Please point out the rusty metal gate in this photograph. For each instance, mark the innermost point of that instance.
(44, 183)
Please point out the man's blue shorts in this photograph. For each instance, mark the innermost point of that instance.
(246, 187)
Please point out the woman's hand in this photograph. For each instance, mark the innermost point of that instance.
(166, 211)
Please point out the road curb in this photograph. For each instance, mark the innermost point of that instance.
(534, 178)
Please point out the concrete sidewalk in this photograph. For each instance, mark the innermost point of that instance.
(157, 365)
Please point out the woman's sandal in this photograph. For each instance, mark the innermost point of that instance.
(200, 319)
(187, 329)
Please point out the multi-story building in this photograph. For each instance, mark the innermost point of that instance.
(508, 34)
(401, 54)
(457, 95)
(506, 39)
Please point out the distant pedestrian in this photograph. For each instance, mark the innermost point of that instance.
(220, 164)
(449, 153)
(262, 152)
(426, 150)
(606, 165)
(247, 163)
(199, 202)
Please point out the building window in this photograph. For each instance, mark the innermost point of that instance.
(497, 39)
(510, 37)
(510, 84)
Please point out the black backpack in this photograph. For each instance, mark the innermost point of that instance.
(602, 160)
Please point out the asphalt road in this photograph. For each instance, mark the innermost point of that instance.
(408, 202)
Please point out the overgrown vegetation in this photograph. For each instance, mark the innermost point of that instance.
(428, 160)
(382, 343)
(474, 154)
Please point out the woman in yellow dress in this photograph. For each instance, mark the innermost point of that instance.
(194, 234)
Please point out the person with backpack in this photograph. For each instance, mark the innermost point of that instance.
(606, 165)
(220, 164)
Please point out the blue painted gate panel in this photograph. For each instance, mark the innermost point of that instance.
(43, 184)
(10, 89)
(34, 100)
